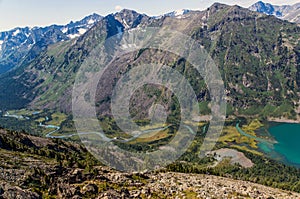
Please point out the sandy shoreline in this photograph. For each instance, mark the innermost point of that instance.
(283, 120)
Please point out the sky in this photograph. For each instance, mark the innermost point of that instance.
(21, 13)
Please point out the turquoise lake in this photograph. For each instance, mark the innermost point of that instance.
(287, 148)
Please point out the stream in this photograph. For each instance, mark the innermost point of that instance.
(102, 135)
(252, 136)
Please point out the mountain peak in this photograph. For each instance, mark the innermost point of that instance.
(266, 8)
(129, 18)
(217, 6)
(177, 13)
(260, 2)
(16, 43)
(286, 12)
(127, 11)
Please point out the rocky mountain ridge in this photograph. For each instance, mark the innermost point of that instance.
(259, 59)
(285, 12)
(18, 42)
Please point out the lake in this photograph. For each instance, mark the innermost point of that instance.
(287, 148)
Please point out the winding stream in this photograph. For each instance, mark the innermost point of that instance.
(102, 135)
(252, 136)
(105, 138)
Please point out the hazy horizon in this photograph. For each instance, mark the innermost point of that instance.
(19, 13)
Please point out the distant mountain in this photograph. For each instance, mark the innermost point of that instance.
(267, 8)
(127, 19)
(18, 42)
(258, 57)
(78, 28)
(177, 13)
(286, 12)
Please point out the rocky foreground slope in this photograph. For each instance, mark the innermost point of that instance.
(33, 167)
(110, 184)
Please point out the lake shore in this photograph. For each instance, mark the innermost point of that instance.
(283, 120)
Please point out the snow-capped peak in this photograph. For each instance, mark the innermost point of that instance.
(287, 12)
(177, 13)
(180, 12)
(21, 40)
(78, 28)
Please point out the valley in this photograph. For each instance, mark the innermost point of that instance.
(55, 115)
(246, 138)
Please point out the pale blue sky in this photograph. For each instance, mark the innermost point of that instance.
(20, 13)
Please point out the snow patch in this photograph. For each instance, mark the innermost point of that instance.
(158, 17)
(64, 30)
(16, 32)
(179, 12)
(91, 21)
(82, 31)
(72, 36)
(125, 23)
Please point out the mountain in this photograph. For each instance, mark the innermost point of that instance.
(259, 61)
(258, 57)
(78, 28)
(18, 42)
(127, 18)
(286, 12)
(177, 13)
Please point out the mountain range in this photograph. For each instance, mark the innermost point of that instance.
(15, 44)
(286, 12)
(18, 42)
(258, 56)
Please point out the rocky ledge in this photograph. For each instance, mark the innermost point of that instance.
(111, 184)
